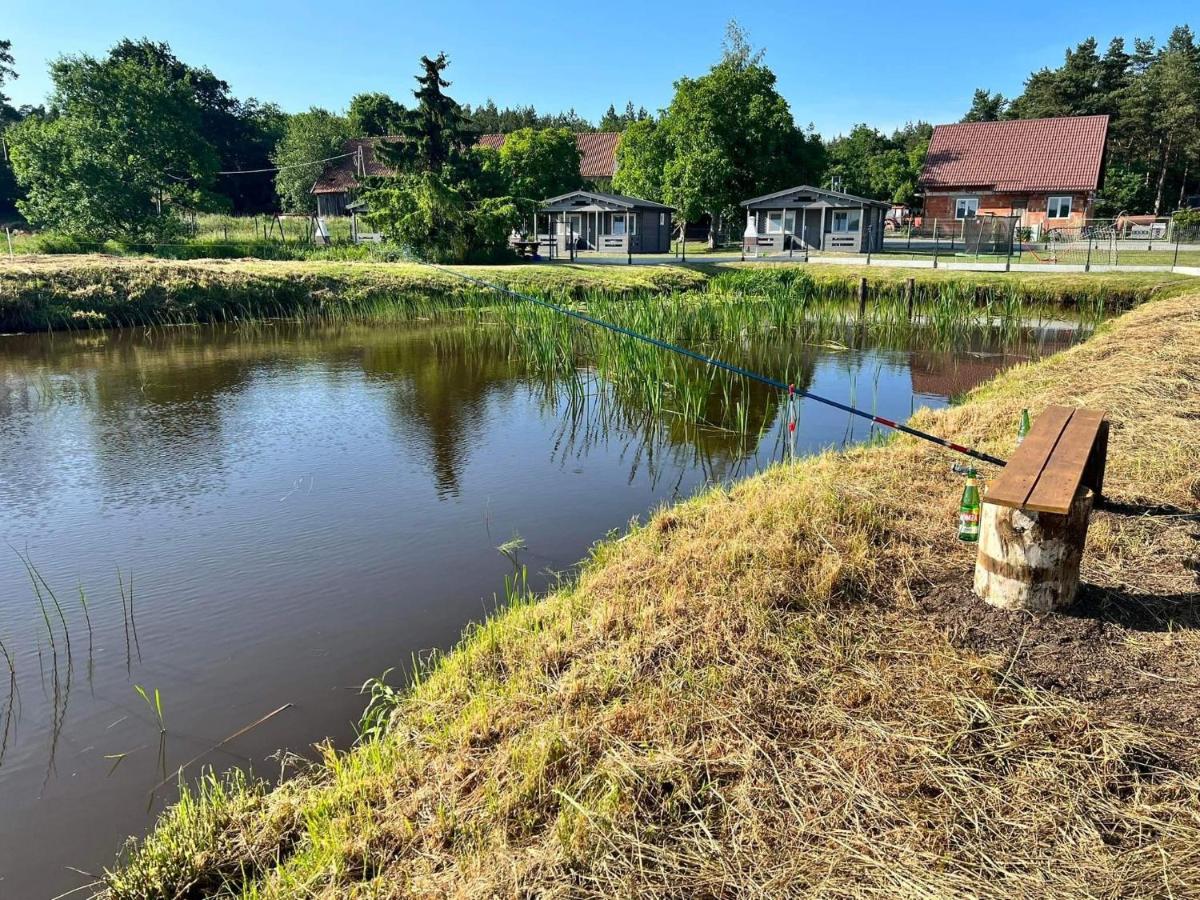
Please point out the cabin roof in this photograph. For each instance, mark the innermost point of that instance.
(617, 200)
(798, 196)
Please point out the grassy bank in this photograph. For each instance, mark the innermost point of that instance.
(40, 293)
(83, 292)
(784, 689)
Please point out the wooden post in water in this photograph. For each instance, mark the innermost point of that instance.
(910, 289)
(862, 297)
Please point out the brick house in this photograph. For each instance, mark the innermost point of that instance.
(1046, 172)
(339, 182)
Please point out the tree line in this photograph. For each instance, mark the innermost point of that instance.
(1151, 93)
(128, 137)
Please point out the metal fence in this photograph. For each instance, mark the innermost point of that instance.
(1124, 241)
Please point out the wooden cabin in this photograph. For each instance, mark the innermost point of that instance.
(606, 223)
(814, 218)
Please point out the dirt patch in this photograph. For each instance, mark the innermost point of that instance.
(1129, 655)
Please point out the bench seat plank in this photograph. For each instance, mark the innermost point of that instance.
(1060, 479)
(1019, 477)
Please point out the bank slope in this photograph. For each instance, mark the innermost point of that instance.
(751, 695)
(76, 292)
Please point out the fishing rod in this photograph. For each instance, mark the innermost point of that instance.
(791, 389)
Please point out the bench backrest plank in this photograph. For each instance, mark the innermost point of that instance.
(1064, 448)
(1016, 482)
(1060, 479)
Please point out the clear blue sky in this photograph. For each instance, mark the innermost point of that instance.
(897, 62)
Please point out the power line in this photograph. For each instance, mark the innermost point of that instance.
(289, 166)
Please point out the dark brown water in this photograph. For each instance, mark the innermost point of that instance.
(298, 509)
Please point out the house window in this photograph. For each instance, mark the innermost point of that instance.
(846, 219)
(1058, 208)
(662, 220)
(618, 224)
(775, 222)
(966, 207)
(633, 220)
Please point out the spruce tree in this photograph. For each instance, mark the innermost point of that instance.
(434, 135)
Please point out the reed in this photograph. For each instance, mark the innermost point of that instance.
(155, 705)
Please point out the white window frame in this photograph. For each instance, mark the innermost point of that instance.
(966, 207)
(775, 221)
(617, 218)
(842, 219)
(662, 220)
(1054, 206)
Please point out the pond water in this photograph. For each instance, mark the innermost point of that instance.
(266, 516)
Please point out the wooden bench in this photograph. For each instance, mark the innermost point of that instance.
(1035, 514)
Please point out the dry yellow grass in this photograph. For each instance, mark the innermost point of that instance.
(749, 697)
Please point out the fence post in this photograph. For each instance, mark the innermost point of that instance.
(8, 234)
(869, 243)
(910, 288)
(935, 243)
(862, 297)
(1174, 261)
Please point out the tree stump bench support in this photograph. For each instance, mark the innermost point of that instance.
(1035, 515)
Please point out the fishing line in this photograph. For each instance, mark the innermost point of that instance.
(721, 364)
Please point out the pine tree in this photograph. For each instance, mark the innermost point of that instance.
(986, 107)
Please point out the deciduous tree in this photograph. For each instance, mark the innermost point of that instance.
(642, 156)
(541, 163)
(308, 137)
(374, 115)
(122, 145)
(730, 135)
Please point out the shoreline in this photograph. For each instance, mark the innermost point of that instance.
(784, 687)
(79, 293)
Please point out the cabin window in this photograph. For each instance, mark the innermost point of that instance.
(775, 222)
(966, 207)
(618, 224)
(662, 220)
(1058, 208)
(846, 219)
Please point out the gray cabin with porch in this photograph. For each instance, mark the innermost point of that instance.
(606, 223)
(806, 217)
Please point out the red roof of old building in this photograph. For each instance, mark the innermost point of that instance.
(597, 151)
(1063, 154)
(598, 159)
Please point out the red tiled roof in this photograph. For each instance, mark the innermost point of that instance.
(1062, 154)
(598, 159)
(342, 174)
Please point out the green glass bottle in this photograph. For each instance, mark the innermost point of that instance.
(1023, 426)
(969, 509)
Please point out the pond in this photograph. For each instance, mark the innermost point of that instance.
(259, 518)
